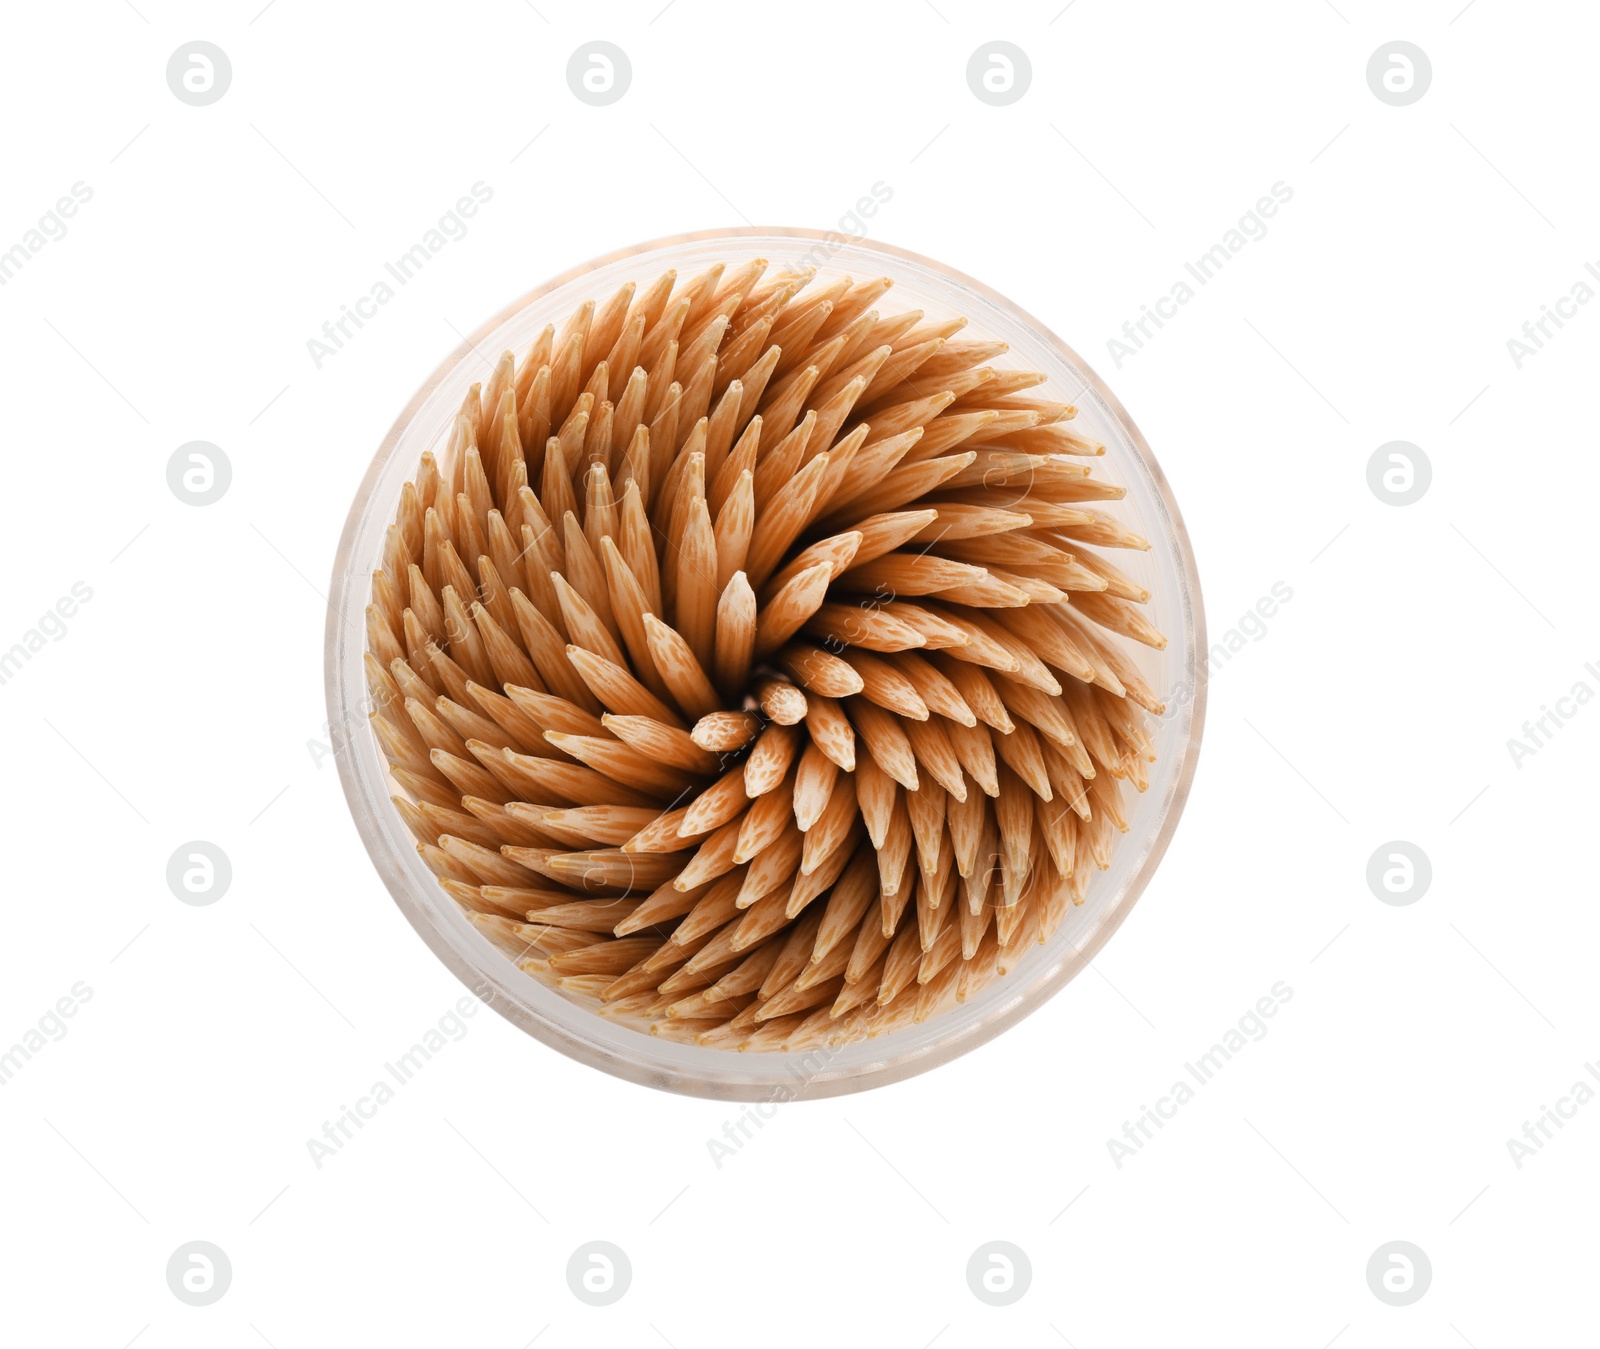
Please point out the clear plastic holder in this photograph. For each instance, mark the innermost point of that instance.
(1176, 673)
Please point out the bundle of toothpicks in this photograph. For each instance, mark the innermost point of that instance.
(748, 664)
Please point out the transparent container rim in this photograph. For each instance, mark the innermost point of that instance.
(640, 1066)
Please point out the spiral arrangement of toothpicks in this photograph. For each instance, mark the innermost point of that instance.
(747, 663)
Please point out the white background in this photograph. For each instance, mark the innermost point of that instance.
(185, 699)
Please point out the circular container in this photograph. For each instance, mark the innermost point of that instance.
(1167, 570)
